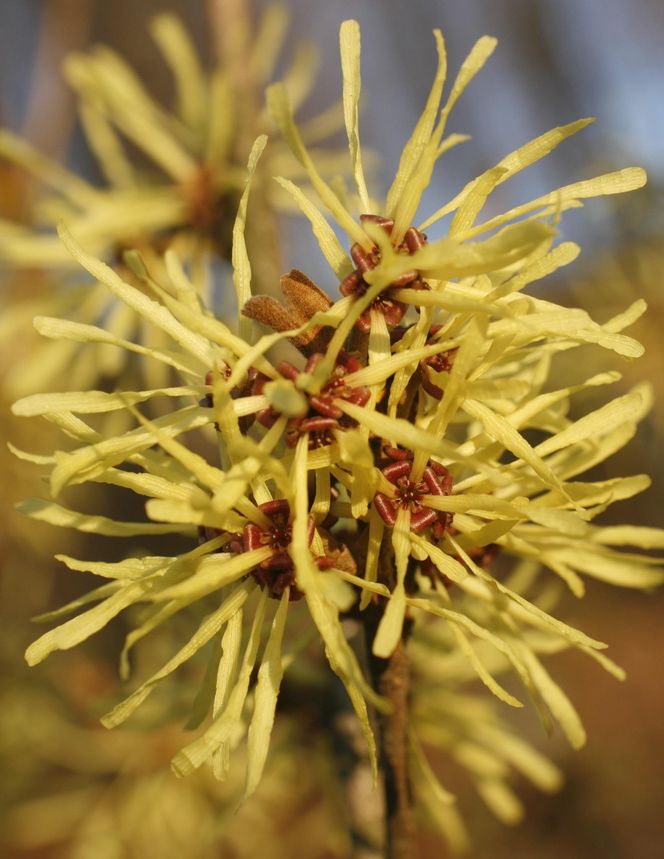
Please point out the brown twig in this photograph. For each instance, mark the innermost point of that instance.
(391, 679)
(231, 29)
(64, 26)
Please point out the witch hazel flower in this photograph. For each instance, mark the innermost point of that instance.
(411, 495)
(277, 573)
(172, 176)
(322, 416)
(355, 283)
(414, 469)
(188, 187)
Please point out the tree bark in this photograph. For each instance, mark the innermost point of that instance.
(391, 678)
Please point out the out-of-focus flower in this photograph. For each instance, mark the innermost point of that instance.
(466, 728)
(74, 790)
(174, 179)
(371, 480)
(185, 191)
(619, 277)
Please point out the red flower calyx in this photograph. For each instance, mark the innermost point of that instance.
(323, 416)
(440, 363)
(277, 572)
(354, 283)
(408, 494)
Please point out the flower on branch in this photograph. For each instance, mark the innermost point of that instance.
(411, 495)
(366, 261)
(420, 433)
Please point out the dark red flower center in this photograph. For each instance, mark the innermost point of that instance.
(355, 284)
(440, 363)
(408, 493)
(323, 416)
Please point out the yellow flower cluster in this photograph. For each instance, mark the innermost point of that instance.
(415, 460)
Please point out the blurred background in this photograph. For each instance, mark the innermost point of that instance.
(71, 790)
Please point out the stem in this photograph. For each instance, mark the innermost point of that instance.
(230, 22)
(391, 679)
(231, 28)
(232, 33)
(64, 26)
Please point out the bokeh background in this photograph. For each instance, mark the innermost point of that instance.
(69, 789)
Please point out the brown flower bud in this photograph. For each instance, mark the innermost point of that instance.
(302, 299)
